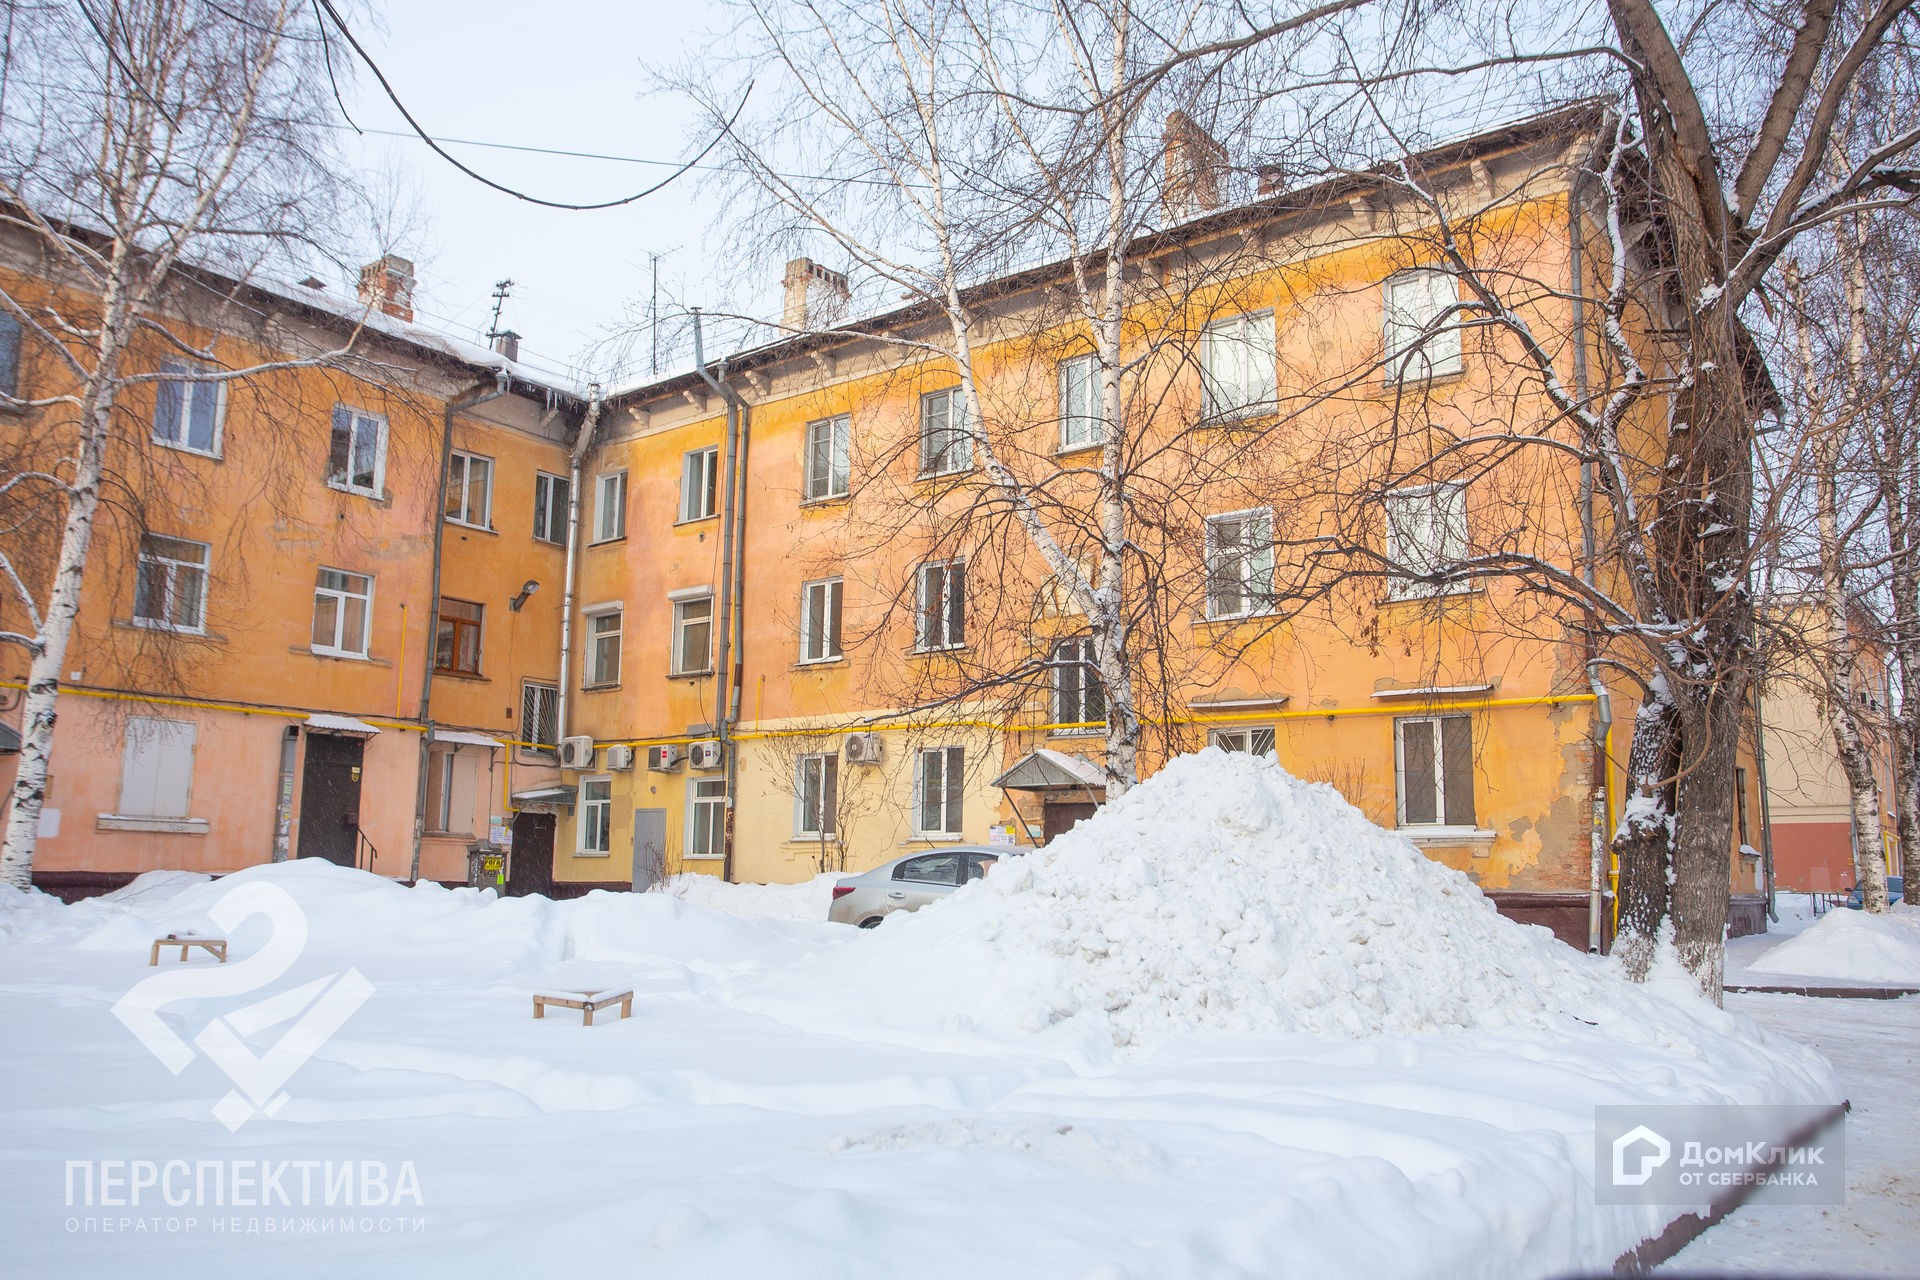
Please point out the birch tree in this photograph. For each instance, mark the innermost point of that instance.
(168, 149)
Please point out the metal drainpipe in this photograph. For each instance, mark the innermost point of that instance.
(1603, 701)
(1766, 808)
(581, 443)
(501, 381)
(726, 660)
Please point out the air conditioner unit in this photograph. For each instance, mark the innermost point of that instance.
(706, 755)
(576, 753)
(619, 757)
(664, 759)
(863, 748)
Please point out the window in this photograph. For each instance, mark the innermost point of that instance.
(156, 770)
(456, 642)
(816, 795)
(342, 605)
(603, 647)
(1080, 418)
(453, 782)
(1434, 764)
(610, 506)
(939, 779)
(946, 442)
(935, 868)
(1078, 697)
(692, 636)
(820, 620)
(550, 495)
(9, 356)
(540, 718)
(187, 414)
(470, 490)
(941, 606)
(357, 456)
(1239, 563)
(1422, 338)
(1238, 366)
(1740, 808)
(1253, 740)
(170, 584)
(707, 818)
(828, 462)
(699, 481)
(1426, 537)
(596, 816)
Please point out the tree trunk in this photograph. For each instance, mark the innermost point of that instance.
(1644, 841)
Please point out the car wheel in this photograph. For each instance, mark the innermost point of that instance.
(872, 922)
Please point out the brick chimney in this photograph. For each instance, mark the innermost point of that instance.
(507, 343)
(1196, 169)
(388, 285)
(815, 296)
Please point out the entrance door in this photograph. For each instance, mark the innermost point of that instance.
(649, 848)
(1058, 816)
(330, 798)
(530, 868)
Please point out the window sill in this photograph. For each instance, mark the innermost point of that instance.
(1100, 732)
(927, 838)
(606, 542)
(378, 496)
(1392, 386)
(331, 655)
(703, 857)
(600, 688)
(1449, 592)
(198, 635)
(559, 543)
(826, 500)
(472, 528)
(925, 476)
(811, 842)
(684, 521)
(1447, 835)
(934, 650)
(446, 673)
(1068, 450)
(211, 455)
(592, 853)
(690, 675)
(810, 664)
(175, 826)
(538, 758)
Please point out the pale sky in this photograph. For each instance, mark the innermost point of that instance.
(566, 74)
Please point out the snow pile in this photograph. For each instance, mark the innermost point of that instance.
(1851, 946)
(807, 900)
(1222, 893)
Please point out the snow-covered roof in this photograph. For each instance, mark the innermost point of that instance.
(1044, 769)
(1432, 691)
(463, 738)
(327, 722)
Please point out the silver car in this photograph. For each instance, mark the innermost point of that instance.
(909, 883)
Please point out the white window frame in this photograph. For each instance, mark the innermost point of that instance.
(1434, 727)
(1075, 654)
(676, 659)
(1239, 366)
(1252, 565)
(603, 529)
(593, 670)
(1411, 303)
(551, 496)
(1243, 737)
(828, 596)
(929, 639)
(531, 693)
(594, 831)
(461, 464)
(952, 803)
(1082, 424)
(174, 570)
(340, 596)
(826, 463)
(954, 451)
(699, 484)
(816, 791)
(359, 421)
(1442, 509)
(706, 807)
(147, 737)
(191, 392)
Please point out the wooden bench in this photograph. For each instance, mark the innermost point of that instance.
(588, 1002)
(215, 947)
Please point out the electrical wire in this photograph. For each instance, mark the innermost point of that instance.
(444, 154)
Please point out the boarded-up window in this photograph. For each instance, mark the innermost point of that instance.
(156, 770)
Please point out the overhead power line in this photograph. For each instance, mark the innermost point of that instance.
(481, 178)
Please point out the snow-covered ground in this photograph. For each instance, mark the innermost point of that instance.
(1848, 947)
(1875, 1046)
(1225, 1028)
